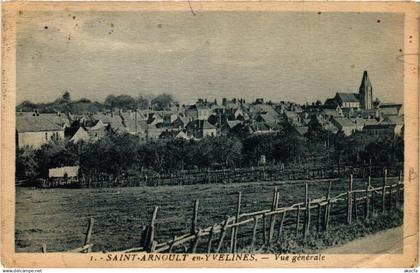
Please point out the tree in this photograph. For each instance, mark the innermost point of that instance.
(163, 101)
(26, 106)
(54, 154)
(376, 103)
(142, 102)
(122, 102)
(26, 163)
(66, 97)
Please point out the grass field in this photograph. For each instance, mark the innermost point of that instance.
(59, 217)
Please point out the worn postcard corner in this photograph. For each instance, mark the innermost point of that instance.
(209, 134)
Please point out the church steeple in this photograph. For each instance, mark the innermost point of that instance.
(365, 93)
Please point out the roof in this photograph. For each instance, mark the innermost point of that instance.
(348, 97)
(390, 110)
(207, 125)
(41, 123)
(331, 127)
(398, 120)
(168, 134)
(302, 130)
(184, 120)
(80, 135)
(365, 80)
(260, 126)
(379, 126)
(331, 112)
(97, 134)
(263, 108)
(364, 122)
(114, 120)
(267, 117)
(130, 122)
(233, 123)
(344, 122)
(264, 126)
(390, 105)
(330, 101)
(290, 114)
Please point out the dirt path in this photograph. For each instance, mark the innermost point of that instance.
(388, 241)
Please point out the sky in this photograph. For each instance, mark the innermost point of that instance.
(290, 56)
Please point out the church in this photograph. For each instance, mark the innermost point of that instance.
(362, 100)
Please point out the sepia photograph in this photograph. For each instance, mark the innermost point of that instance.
(158, 134)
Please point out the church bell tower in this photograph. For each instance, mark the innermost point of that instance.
(365, 93)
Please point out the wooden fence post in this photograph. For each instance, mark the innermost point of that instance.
(254, 232)
(210, 241)
(149, 245)
(195, 242)
(264, 220)
(297, 220)
(194, 225)
(222, 234)
(327, 208)
(234, 237)
(355, 205)
(367, 200)
(307, 219)
(280, 231)
(390, 197)
(273, 217)
(171, 247)
(319, 222)
(349, 200)
(306, 211)
(384, 190)
(195, 217)
(88, 235)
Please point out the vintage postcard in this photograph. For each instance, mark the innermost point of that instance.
(209, 134)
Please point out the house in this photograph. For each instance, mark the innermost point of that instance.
(180, 122)
(325, 123)
(300, 130)
(391, 109)
(361, 123)
(292, 118)
(380, 130)
(133, 123)
(153, 133)
(201, 128)
(37, 129)
(398, 121)
(263, 128)
(80, 135)
(331, 113)
(155, 118)
(168, 134)
(255, 109)
(89, 134)
(345, 125)
(64, 172)
(198, 111)
(183, 135)
(113, 120)
(266, 117)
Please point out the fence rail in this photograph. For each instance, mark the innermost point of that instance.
(252, 174)
(299, 217)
